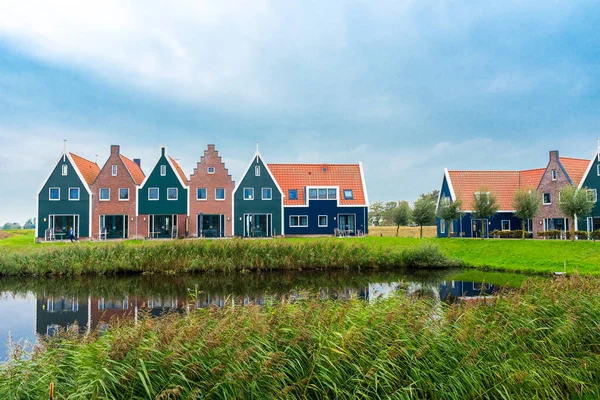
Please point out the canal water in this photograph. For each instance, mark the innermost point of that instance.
(33, 307)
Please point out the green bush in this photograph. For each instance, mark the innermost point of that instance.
(581, 235)
(553, 234)
(518, 234)
(426, 256)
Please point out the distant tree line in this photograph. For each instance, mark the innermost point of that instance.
(400, 213)
(29, 224)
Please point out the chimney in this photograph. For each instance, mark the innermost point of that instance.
(163, 150)
(138, 161)
(554, 155)
(115, 149)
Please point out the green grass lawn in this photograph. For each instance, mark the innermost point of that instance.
(529, 256)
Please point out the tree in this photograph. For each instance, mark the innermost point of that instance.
(449, 210)
(388, 212)
(376, 213)
(526, 204)
(486, 206)
(424, 212)
(29, 224)
(11, 225)
(401, 215)
(574, 202)
(433, 195)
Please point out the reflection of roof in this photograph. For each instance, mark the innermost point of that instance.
(136, 172)
(299, 176)
(503, 184)
(89, 170)
(575, 168)
(179, 170)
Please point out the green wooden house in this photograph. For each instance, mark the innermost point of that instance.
(65, 200)
(163, 200)
(591, 181)
(257, 202)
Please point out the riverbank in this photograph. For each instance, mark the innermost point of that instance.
(525, 344)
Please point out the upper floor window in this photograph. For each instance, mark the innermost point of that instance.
(348, 195)
(592, 195)
(65, 167)
(220, 194)
(553, 174)
(211, 170)
(257, 170)
(114, 170)
(152, 193)
(547, 198)
(248, 193)
(267, 194)
(172, 193)
(104, 194)
(322, 194)
(312, 194)
(163, 170)
(331, 194)
(293, 194)
(123, 194)
(201, 194)
(598, 168)
(74, 194)
(54, 193)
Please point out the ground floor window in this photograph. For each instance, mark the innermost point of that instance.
(258, 225)
(60, 225)
(505, 225)
(299, 221)
(347, 223)
(442, 226)
(114, 226)
(556, 224)
(162, 226)
(211, 225)
(323, 221)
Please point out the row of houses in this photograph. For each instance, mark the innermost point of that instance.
(560, 171)
(119, 201)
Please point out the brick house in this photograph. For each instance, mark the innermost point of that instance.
(560, 171)
(211, 189)
(114, 202)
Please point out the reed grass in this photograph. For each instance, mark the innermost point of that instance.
(184, 256)
(541, 341)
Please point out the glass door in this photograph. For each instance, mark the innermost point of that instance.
(346, 223)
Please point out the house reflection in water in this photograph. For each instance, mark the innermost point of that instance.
(56, 312)
(452, 290)
(103, 310)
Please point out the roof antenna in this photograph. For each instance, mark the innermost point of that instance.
(64, 149)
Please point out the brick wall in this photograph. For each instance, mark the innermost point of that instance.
(547, 185)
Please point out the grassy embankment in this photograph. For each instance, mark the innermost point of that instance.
(538, 342)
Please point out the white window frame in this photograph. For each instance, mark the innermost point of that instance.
(210, 170)
(163, 170)
(553, 174)
(598, 167)
(205, 194)
(544, 200)
(334, 194)
(65, 169)
(262, 193)
(351, 194)
(477, 194)
(157, 194)
(326, 221)
(298, 226)
(78, 194)
(224, 194)
(120, 199)
(442, 226)
(100, 194)
(316, 194)
(502, 225)
(257, 170)
(50, 194)
(176, 194)
(595, 197)
(114, 170)
(244, 194)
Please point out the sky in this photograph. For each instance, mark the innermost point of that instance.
(407, 87)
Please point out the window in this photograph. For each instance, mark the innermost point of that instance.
(592, 195)
(54, 193)
(322, 221)
(348, 194)
(322, 194)
(257, 170)
(299, 221)
(123, 194)
(211, 170)
(267, 194)
(442, 226)
(104, 194)
(152, 193)
(172, 193)
(220, 194)
(331, 195)
(74, 194)
(598, 167)
(65, 168)
(293, 194)
(163, 170)
(547, 198)
(312, 194)
(201, 194)
(248, 193)
(114, 170)
(505, 225)
(553, 174)
(529, 226)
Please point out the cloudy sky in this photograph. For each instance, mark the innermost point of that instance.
(407, 87)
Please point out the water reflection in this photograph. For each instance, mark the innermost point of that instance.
(93, 303)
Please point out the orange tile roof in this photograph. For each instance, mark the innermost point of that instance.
(136, 172)
(179, 170)
(87, 168)
(299, 176)
(531, 178)
(575, 167)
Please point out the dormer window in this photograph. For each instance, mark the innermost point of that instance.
(257, 170)
(64, 169)
(331, 194)
(553, 174)
(348, 195)
(114, 170)
(293, 194)
(312, 194)
(211, 170)
(322, 194)
(163, 170)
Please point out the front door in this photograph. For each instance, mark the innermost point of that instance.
(115, 226)
(347, 223)
(211, 225)
(163, 226)
(479, 228)
(258, 225)
(59, 226)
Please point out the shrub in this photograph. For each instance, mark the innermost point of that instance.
(553, 234)
(581, 235)
(426, 256)
(518, 234)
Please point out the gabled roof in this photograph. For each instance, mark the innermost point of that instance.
(531, 178)
(134, 170)
(575, 167)
(299, 176)
(88, 169)
(178, 170)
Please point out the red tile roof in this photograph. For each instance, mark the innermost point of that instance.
(87, 168)
(299, 176)
(575, 167)
(179, 170)
(136, 172)
(531, 178)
